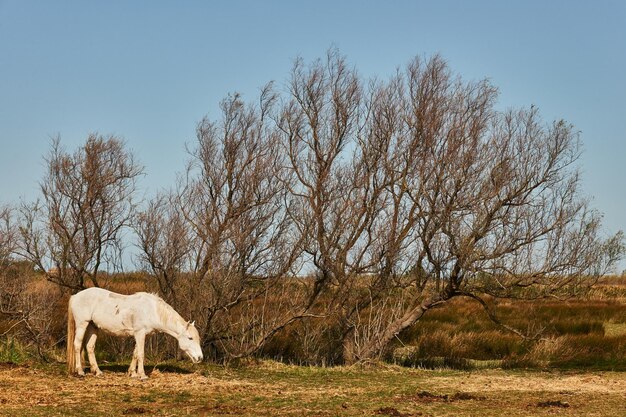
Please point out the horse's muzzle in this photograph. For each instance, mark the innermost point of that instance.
(196, 359)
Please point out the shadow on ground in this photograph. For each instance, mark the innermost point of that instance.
(164, 368)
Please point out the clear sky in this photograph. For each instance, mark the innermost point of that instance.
(148, 71)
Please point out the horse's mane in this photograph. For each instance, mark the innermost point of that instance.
(157, 296)
(166, 312)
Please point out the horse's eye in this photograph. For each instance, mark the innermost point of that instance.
(191, 338)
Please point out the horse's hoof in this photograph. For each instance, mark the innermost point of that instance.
(98, 373)
(143, 378)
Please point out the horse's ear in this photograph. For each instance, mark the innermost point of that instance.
(193, 323)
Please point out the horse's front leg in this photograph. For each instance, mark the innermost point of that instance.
(132, 369)
(140, 339)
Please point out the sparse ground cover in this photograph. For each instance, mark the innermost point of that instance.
(271, 389)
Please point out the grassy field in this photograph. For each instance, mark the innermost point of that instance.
(575, 334)
(578, 368)
(270, 389)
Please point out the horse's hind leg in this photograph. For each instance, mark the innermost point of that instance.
(91, 335)
(81, 328)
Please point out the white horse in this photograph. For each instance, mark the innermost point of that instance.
(135, 315)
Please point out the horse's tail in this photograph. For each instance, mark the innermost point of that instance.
(71, 331)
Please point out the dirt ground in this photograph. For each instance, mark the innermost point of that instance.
(272, 389)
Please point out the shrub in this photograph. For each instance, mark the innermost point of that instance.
(11, 351)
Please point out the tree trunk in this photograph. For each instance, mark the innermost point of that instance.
(375, 345)
(350, 356)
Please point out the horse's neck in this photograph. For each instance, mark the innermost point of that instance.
(170, 321)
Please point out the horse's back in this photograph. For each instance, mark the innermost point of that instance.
(89, 296)
(116, 313)
(94, 302)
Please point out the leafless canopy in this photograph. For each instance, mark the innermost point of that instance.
(419, 186)
(87, 202)
(222, 244)
(391, 197)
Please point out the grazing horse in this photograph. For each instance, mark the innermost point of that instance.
(135, 315)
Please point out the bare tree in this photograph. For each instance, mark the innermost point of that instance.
(491, 202)
(8, 244)
(419, 189)
(165, 241)
(340, 183)
(8, 237)
(10, 288)
(28, 307)
(87, 201)
(396, 196)
(221, 246)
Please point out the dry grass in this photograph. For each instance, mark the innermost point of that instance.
(270, 389)
(584, 333)
(614, 329)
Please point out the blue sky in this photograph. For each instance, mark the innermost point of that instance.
(148, 71)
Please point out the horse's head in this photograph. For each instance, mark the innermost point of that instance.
(189, 342)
